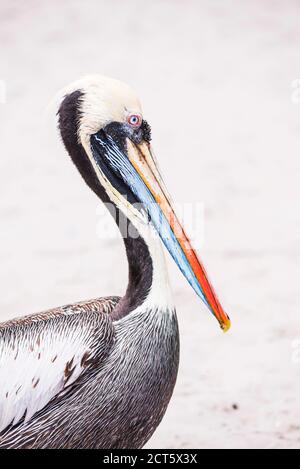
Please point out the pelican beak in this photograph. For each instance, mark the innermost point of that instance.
(176, 241)
(133, 166)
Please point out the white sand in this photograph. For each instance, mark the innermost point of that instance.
(215, 80)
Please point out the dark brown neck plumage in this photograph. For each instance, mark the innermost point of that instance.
(139, 259)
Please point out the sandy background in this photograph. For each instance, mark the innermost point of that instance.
(215, 79)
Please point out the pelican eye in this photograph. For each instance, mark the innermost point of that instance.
(134, 120)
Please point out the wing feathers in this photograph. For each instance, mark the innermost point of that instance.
(41, 358)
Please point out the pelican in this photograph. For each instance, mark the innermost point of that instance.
(100, 373)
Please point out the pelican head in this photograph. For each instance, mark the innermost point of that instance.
(113, 139)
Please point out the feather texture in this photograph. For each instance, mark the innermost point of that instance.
(44, 354)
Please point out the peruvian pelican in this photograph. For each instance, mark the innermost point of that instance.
(100, 374)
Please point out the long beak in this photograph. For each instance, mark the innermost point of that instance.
(174, 237)
(135, 166)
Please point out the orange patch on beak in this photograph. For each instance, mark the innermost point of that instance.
(142, 160)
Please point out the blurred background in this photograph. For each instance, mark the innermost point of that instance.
(219, 83)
